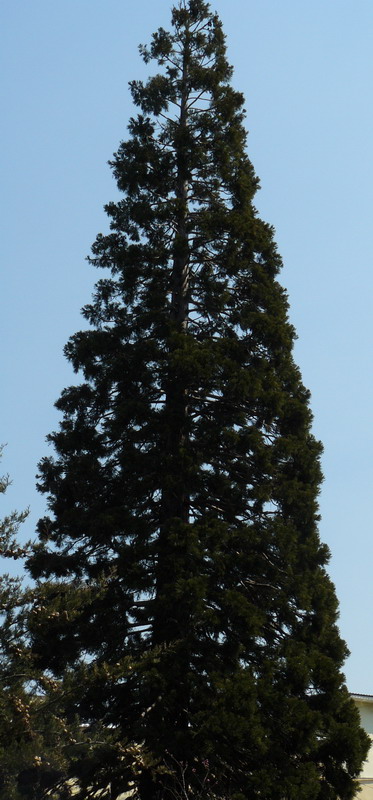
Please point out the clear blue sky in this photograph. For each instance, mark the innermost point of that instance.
(306, 72)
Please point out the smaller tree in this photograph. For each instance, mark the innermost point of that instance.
(31, 758)
(44, 750)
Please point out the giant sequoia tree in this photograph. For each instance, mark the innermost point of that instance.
(180, 571)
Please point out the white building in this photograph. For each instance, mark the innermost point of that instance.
(364, 703)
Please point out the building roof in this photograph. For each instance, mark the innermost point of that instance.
(368, 698)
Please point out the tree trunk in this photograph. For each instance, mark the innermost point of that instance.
(175, 494)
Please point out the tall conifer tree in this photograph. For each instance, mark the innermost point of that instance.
(180, 572)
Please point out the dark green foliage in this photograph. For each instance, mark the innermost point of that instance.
(181, 578)
(30, 757)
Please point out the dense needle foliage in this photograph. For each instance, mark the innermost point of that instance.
(180, 574)
(31, 756)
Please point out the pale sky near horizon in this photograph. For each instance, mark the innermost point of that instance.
(306, 72)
